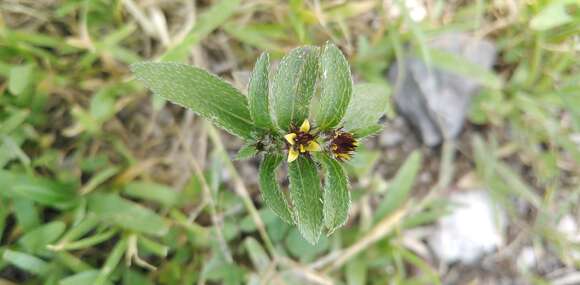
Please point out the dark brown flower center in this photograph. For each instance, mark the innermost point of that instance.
(342, 145)
(303, 138)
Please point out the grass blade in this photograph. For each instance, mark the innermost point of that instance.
(401, 186)
(206, 23)
(26, 262)
(125, 214)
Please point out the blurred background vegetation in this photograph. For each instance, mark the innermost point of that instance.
(100, 183)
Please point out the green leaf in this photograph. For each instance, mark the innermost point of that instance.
(98, 179)
(307, 197)
(13, 121)
(428, 271)
(458, 64)
(26, 262)
(336, 193)
(85, 242)
(102, 105)
(356, 271)
(368, 104)
(85, 277)
(302, 249)
(257, 254)
(204, 93)
(111, 263)
(247, 151)
(261, 36)
(26, 213)
(208, 21)
(4, 213)
(401, 185)
(153, 192)
(20, 78)
(554, 15)
(368, 131)
(40, 190)
(362, 164)
(153, 247)
(258, 93)
(293, 87)
(113, 209)
(131, 277)
(37, 239)
(335, 87)
(271, 192)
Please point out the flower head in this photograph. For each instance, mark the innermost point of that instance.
(301, 140)
(342, 145)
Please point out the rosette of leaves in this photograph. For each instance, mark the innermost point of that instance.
(307, 111)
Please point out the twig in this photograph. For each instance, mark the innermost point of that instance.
(241, 190)
(378, 232)
(306, 272)
(212, 209)
(140, 17)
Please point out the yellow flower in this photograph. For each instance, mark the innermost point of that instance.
(301, 141)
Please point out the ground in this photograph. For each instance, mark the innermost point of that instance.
(101, 182)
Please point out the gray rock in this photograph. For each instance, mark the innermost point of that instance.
(435, 101)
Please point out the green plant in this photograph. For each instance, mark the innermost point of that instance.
(311, 84)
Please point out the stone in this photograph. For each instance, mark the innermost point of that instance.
(435, 102)
(475, 227)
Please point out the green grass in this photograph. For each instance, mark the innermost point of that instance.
(102, 184)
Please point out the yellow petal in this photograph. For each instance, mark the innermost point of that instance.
(292, 155)
(313, 146)
(305, 126)
(356, 143)
(302, 148)
(290, 138)
(344, 156)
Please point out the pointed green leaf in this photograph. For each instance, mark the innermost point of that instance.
(271, 193)
(307, 197)
(204, 93)
(41, 190)
(460, 65)
(149, 191)
(554, 14)
(206, 22)
(336, 194)
(368, 131)
(368, 104)
(257, 254)
(247, 151)
(293, 87)
(113, 209)
(20, 78)
(401, 185)
(26, 262)
(258, 93)
(111, 263)
(335, 87)
(85, 277)
(36, 240)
